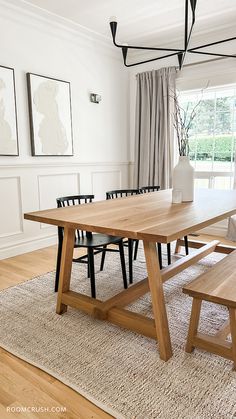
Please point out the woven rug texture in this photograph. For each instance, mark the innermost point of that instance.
(118, 370)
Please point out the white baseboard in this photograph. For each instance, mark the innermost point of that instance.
(27, 246)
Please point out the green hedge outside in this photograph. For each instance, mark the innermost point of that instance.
(203, 147)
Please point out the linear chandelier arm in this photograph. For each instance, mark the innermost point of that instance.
(187, 36)
(190, 5)
(211, 53)
(113, 26)
(147, 61)
(186, 26)
(213, 43)
(150, 48)
(193, 4)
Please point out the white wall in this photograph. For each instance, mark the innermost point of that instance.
(43, 44)
(38, 44)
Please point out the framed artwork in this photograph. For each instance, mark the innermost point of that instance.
(50, 116)
(8, 116)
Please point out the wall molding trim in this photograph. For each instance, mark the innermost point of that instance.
(22, 165)
(42, 183)
(19, 231)
(48, 175)
(106, 172)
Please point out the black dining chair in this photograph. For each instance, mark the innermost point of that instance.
(95, 243)
(121, 193)
(146, 189)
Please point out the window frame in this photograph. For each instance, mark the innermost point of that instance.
(211, 175)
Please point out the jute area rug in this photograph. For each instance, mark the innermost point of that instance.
(118, 370)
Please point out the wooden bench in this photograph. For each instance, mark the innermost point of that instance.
(217, 285)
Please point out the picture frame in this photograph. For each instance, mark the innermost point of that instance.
(9, 143)
(50, 116)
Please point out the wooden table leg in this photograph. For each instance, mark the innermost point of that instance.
(65, 269)
(158, 301)
(232, 316)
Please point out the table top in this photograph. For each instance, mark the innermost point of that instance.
(150, 216)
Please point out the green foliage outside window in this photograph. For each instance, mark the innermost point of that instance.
(206, 148)
(213, 131)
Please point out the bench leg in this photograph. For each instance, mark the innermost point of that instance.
(232, 317)
(193, 325)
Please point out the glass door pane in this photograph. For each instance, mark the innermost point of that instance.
(221, 182)
(201, 183)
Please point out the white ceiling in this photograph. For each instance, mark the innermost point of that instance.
(150, 22)
(139, 18)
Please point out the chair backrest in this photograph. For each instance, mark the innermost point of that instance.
(146, 189)
(67, 201)
(120, 193)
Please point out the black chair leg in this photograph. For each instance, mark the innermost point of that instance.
(59, 251)
(186, 244)
(122, 261)
(92, 273)
(103, 258)
(88, 267)
(130, 249)
(168, 254)
(136, 249)
(159, 254)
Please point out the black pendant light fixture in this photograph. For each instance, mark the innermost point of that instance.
(181, 53)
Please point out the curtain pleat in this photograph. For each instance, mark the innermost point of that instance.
(154, 133)
(231, 232)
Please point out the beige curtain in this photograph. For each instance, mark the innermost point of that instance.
(154, 133)
(231, 233)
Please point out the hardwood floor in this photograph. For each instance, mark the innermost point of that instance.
(23, 267)
(21, 384)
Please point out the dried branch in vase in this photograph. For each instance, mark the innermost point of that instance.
(183, 120)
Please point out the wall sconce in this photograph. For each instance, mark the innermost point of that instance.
(94, 98)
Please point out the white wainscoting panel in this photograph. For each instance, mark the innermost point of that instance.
(11, 206)
(28, 187)
(104, 181)
(52, 186)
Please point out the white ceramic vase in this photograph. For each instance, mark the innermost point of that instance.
(183, 178)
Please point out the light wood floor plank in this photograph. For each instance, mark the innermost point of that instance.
(21, 384)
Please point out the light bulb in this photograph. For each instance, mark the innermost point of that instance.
(113, 19)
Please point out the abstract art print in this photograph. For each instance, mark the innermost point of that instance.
(8, 117)
(50, 116)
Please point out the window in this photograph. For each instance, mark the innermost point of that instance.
(212, 135)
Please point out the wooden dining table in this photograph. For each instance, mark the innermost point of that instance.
(152, 218)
